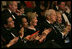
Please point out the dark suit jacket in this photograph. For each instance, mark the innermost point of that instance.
(46, 25)
(7, 34)
(7, 11)
(16, 21)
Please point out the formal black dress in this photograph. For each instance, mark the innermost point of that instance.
(30, 44)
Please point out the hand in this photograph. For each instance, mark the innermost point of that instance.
(21, 32)
(37, 38)
(47, 31)
(42, 38)
(12, 42)
(68, 28)
(27, 37)
(18, 12)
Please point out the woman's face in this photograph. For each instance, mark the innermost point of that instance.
(10, 23)
(24, 21)
(59, 18)
(34, 21)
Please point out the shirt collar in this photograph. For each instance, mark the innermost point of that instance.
(48, 21)
(9, 10)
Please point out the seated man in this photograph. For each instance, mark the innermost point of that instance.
(8, 33)
(12, 7)
(48, 30)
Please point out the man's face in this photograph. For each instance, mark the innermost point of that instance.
(14, 6)
(62, 5)
(10, 23)
(53, 16)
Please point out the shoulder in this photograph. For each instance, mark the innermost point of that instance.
(3, 30)
(5, 11)
(46, 24)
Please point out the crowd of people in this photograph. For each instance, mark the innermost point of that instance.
(36, 24)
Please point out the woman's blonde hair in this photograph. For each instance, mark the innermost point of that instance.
(33, 15)
(57, 12)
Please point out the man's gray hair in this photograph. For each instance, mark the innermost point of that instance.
(49, 12)
(9, 3)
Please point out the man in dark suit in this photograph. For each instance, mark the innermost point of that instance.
(12, 7)
(9, 35)
(49, 32)
(12, 10)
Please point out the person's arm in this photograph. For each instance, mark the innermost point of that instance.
(27, 37)
(12, 42)
(66, 30)
(44, 34)
(38, 37)
(32, 37)
(18, 12)
(21, 32)
(66, 19)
